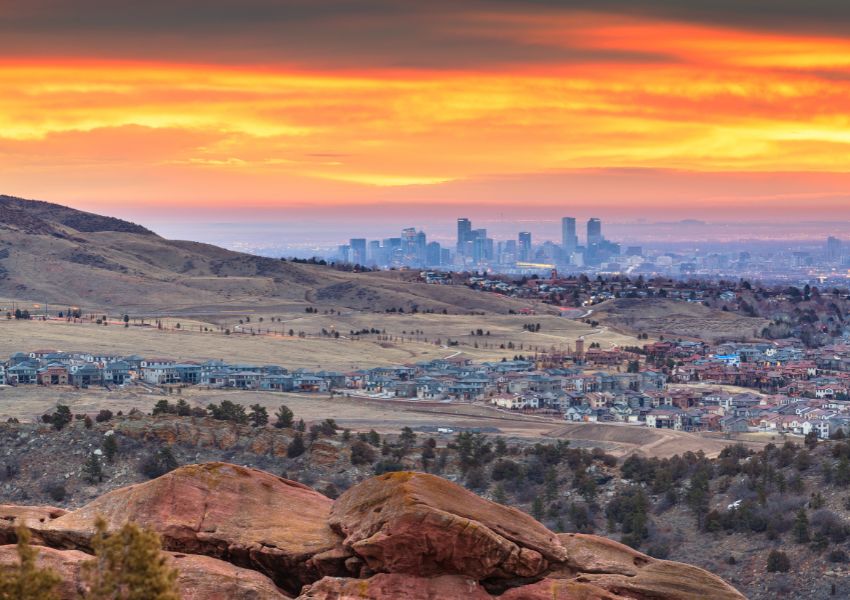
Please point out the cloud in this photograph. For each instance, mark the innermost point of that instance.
(338, 101)
(438, 34)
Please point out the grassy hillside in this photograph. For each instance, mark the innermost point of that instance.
(50, 253)
(677, 319)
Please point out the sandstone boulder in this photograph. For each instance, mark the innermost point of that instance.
(32, 517)
(394, 586)
(625, 572)
(245, 516)
(420, 524)
(199, 578)
(206, 578)
(554, 589)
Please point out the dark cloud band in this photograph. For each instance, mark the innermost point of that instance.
(362, 34)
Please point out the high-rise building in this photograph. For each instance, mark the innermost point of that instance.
(524, 246)
(464, 234)
(374, 254)
(509, 253)
(833, 249)
(434, 255)
(358, 250)
(421, 248)
(594, 232)
(392, 250)
(408, 244)
(479, 249)
(569, 239)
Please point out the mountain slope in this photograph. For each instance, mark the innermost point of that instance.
(674, 318)
(62, 256)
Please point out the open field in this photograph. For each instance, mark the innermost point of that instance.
(661, 443)
(387, 416)
(314, 351)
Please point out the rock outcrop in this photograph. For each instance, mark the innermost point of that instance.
(199, 577)
(245, 516)
(238, 533)
(423, 525)
(622, 570)
(391, 585)
(386, 586)
(32, 517)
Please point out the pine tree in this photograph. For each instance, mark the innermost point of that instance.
(296, 447)
(129, 565)
(373, 438)
(284, 417)
(407, 438)
(778, 562)
(183, 408)
(259, 416)
(162, 407)
(92, 470)
(159, 463)
(110, 448)
(537, 508)
(61, 417)
(499, 494)
(25, 581)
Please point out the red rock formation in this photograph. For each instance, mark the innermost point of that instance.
(248, 517)
(199, 577)
(389, 585)
(408, 536)
(624, 571)
(423, 525)
(33, 517)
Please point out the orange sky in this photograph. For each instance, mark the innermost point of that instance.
(702, 114)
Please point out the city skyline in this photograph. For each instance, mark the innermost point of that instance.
(648, 109)
(477, 250)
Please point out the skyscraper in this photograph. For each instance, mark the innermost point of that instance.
(594, 232)
(833, 249)
(464, 234)
(434, 254)
(421, 248)
(569, 239)
(524, 246)
(408, 244)
(374, 254)
(358, 250)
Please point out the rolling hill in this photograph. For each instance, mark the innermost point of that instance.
(62, 256)
(674, 318)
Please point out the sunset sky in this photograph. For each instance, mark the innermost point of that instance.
(623, 109)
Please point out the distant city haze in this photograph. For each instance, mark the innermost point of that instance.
(297, 230)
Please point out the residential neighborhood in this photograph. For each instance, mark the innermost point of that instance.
(773, 387)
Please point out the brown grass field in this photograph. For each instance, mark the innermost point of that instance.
(678, 319)
(385, 416)
(313, 351)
